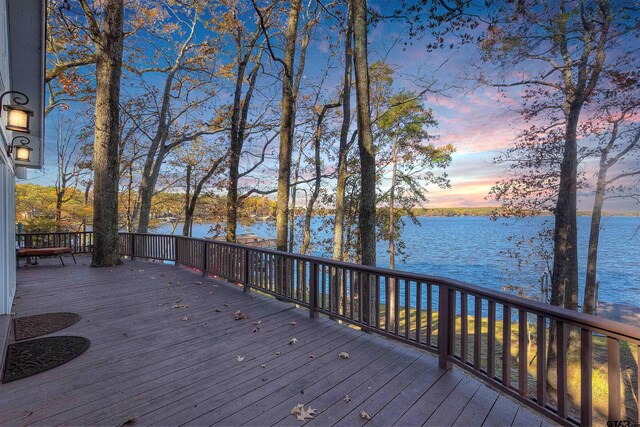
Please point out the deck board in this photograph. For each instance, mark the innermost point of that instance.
(147, 363)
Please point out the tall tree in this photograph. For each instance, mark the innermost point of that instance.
(107, 35)
(367, 217)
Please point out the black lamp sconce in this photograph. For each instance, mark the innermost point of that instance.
(23, 152)
(18, 121)
(17, 114)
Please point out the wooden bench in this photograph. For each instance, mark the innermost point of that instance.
(38, 252)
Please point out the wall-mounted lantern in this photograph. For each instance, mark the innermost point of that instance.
(23, 152)
(17, 115)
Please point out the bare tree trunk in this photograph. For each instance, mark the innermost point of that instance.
(294, 191)
(59, 197)
(589, 303)
(108, 47)
(238, 123)
(392, 247)
(342, 175)
(367, 214)
(186, 227)
(286, 127)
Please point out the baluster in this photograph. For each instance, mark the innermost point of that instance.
(247, 270)
(204, 258)
(506, 345)
(387, 306)
(396, 305)
(477, 333)
(585, 377)
(407, 308)
(377, 280)
(541, 354)
(491, 341)
(352, 315)
(445, 315)
(613, 359)
(464, 331)
(419, 312)
(429, 314)
(523, 357)
(313, 291)
(562, 368)
(344, 292)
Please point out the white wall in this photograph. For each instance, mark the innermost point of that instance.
(7, 186)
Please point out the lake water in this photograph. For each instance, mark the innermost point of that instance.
(470, 249)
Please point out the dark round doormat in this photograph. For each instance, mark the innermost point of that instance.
(42, 324)
(28, 358)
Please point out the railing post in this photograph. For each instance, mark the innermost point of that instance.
(133, 246)
(313, 290)
(204, 258)
(175, 250)
(247, 270)
(444, 327)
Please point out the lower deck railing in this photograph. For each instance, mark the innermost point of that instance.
(503, 339)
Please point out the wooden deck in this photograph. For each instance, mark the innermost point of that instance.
(154, 364)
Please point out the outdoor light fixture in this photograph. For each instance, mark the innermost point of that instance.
(23, 153)
(17, 114)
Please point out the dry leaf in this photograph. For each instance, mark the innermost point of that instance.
(264, 379)
(293, 323)
(198, 283)
(278, 353)
(306, 414)
(311, 356)
(238, 315)
(364, 415)
(347, 398)
(263, 366)
(240, 358)
(226, 305)
(181, 306)
(185, 318)
(129, 421)
(218, 310)
(344, 355)
(293, 341)
(303, 414)
(27, 414)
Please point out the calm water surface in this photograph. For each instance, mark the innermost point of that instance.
(470, 249)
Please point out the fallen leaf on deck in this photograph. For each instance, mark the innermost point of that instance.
(263, 366)
(178, 300)
(311, 356)
(181, 306)
(218, 310)
(293, 341)
(226, 305)
(347, 398)
(293, 323)
(364, 415)
(129, 421)
(344, 355)
(163, 274)
(278, 353)
(238, 315)
(185, 318)
(240, 358)
(27, 414)
(264, 379)
(303, 414)
(198, 283)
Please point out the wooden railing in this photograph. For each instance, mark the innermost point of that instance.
(80, 242)
(500, 338)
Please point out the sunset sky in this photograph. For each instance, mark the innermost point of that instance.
(478, 121)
